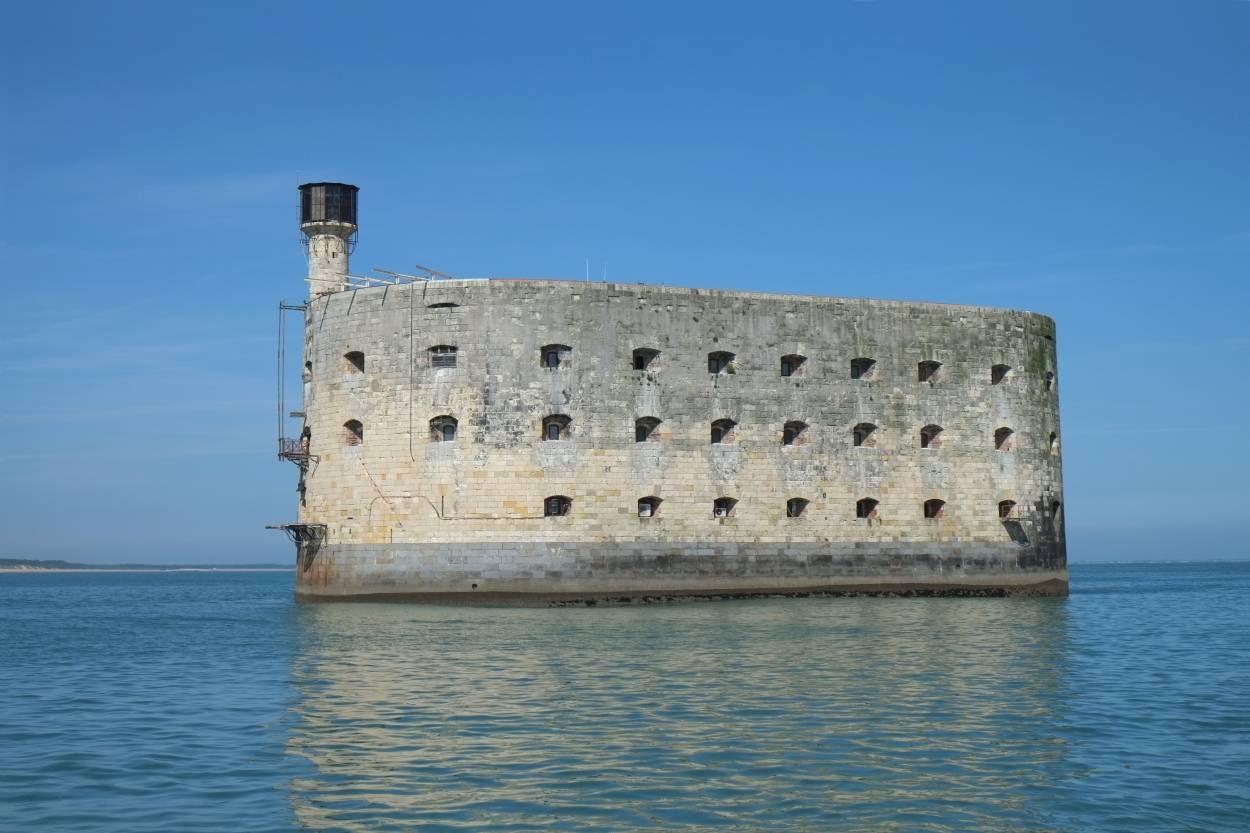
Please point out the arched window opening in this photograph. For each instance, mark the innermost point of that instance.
(556, 427)
(934, 508)
(792, 365)
(931, 436)
(928, 371)
(649, 506)
(723, 507)
(792, 433)
(865, 507)
(723, 431)
(1000, 374)
(555, 355)
(1054, 443)
(354, 361)
(720, 362)
(442, 356)
(1055, 506)
(643, 357)
(556, 505)
(1050, 379)
(863, 368)
(864, 435)
(353, 432)
(646, 429)
(1004, 439)
(443, 429)
(795, 507)
(1007, 510)
(442, 305)
(307, 371)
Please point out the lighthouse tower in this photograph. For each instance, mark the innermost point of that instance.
(327, 220)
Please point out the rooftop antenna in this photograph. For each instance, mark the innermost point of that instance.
(440, 275)
(605, 271)
(587, 270)
(401, 275)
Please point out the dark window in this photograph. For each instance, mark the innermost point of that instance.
(1050, 379)
(723, 507)
(864, 434)
(307, 370)
(931, 436)
(643, 357)
(648, 507)
(1054, 443)
(795, 507)
(792, 432)
(928, 371)
(557, 505)
(355, 361)
(934, 508)
(1055, 506)
(555, 355)
(1000, 374)
(442, 355)
(720, 362)
(1006, 509)
(722, 430)
(556, 427)
(353, 432)
(792, 364)
(1004, 439)
(443, 429)
(645, 429)
(863, 368)
(442, 305)
(865, 507)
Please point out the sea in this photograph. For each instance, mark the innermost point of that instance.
(210, 701)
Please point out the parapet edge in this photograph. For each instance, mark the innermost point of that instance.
(744, 294)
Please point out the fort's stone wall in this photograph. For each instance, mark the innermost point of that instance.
(407, 513)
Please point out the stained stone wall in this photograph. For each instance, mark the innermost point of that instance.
(400, 486)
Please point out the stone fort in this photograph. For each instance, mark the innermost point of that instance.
(543, 441)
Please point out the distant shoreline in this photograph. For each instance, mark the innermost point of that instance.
(58, 565)
(147, 569)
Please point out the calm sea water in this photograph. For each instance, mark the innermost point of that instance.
(211, 702)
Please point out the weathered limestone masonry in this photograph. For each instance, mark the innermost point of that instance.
(432, 480)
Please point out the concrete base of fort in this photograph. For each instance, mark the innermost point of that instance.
(538, 573)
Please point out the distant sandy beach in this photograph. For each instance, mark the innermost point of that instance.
(147, 569)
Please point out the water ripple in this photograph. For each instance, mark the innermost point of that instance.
(209, 702)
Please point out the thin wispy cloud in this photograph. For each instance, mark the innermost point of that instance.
(1226, 243)
(1128, 431)
(216, 192)
(157, 452)
(134, 356)
(57, 325)
(1018, 282)
(156, 408)
(1219, 344)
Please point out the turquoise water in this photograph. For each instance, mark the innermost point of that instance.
(210, 702)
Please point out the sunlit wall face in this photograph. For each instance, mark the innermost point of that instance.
(802, 714)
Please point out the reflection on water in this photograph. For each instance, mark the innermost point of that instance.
(203, 702)
(865, 714)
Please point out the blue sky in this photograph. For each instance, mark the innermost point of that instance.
(1086, 160)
